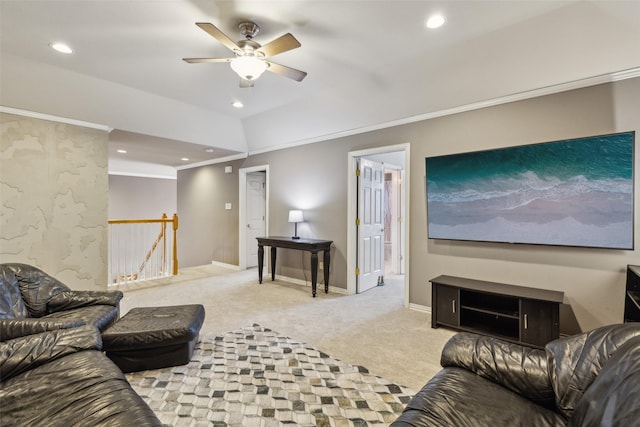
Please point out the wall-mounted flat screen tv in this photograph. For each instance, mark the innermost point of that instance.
(576, 192)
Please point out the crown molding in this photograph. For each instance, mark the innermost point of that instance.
(58, 119)
(238, 156)
(535, 93)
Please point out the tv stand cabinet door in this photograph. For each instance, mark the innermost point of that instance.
(539, 322)
(446, 300)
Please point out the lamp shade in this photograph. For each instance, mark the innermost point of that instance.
(295, 216)
(248, 67)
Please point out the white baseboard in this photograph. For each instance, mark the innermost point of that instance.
(225, 265)
(320, 286)
(420, 308)
(343, 291)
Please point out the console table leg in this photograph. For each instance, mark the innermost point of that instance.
(260, 262)
(273, 263)
(326, 258)
(314, 272)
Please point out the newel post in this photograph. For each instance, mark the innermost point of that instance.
(175, 244)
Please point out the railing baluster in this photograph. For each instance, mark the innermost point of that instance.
(138, 249)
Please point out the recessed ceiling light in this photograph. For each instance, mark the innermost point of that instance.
(209, 150)
(185, 159)
(436, 21)
(122, 151)
(238, 104)
(61, 47)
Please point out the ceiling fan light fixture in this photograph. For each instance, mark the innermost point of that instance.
(436, 21)
(248, 67)
(61, 47)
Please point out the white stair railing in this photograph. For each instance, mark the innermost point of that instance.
(142, 249)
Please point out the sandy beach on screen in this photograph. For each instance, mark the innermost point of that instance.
(593, 219)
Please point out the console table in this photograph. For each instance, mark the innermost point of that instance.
(519, 314)
(311, 245)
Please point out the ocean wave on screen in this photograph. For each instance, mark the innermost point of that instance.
(512, 192)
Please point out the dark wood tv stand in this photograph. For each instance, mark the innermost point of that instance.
(515, 313)
(632, 295)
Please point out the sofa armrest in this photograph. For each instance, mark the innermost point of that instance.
(519, 368)
(14, 328)
(21, 354)
(67, 300)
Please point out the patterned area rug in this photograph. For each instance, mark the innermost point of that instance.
(255, 377)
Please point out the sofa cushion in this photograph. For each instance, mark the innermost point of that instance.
(36, 287)
(15, 328)
(575, 362)
(458, 398)
(11, 304)
(28, 352)
(80, 389)
(100, 316)
(519, 368)
(612, 398)
(68, 300)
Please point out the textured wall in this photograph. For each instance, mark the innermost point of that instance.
(53, 189)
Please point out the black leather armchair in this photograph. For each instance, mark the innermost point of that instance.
(31, 301)
(587, 380)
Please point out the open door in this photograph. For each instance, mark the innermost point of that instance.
(370, 224)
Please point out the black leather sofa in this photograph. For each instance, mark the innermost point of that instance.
(62, 378)
(590, 379)
(31, 301)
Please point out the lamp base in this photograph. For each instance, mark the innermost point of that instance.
(295, 237)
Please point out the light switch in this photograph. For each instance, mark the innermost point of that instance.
(227, 206)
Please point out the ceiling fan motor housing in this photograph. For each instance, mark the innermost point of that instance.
(248, 29)
(249, 47)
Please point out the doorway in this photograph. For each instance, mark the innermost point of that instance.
(253, 212)
(395, 159)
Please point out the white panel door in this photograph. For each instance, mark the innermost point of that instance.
(371, 224)
(256, 225)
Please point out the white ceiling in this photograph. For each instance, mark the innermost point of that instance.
(369, 64)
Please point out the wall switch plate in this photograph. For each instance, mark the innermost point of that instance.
(227, 206)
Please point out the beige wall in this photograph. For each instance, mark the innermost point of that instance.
(314, 177)
(134, 197)
(53, 189)
(591, 279)
(207, 231)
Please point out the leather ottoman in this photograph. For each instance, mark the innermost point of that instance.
(154, 337)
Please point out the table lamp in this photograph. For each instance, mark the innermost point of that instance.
(295, 216)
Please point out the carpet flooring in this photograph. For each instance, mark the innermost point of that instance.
(257, 377)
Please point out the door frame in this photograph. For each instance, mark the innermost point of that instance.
(242, 210)
(352, 212)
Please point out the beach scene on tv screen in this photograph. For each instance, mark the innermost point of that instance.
(576, 192)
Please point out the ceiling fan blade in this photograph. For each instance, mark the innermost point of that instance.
(219, 35)
(200, 60)
(283, 70)
(246, 83)
(279, 45)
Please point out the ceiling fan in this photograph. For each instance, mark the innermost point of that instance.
(251, 58)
